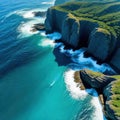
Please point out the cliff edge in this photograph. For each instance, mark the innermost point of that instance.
(109, 87)
(92, 25)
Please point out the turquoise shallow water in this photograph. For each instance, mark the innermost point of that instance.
(36, 80)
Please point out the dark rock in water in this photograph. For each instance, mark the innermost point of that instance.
(115, 62)
(38, 27)
(95, 79)
(100, 44)
(40, 13)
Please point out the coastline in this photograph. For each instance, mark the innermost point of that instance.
(70, 28)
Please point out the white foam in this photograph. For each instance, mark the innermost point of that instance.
(47, 42)
(25, 29)
(48, 3)
(76, 93)
(49, 39)
(28, 13)
(54, 35)
(98, 113)
(78, 58)
(73, 87)
(42, 33)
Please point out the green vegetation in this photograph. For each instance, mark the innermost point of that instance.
(63, 1)
(94, 74)
(115, 102)
(107, 15)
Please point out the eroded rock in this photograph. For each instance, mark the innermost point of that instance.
(95, 79)
(101, 44)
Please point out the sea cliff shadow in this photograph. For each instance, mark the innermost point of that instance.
(60, 58)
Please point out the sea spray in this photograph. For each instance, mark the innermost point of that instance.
(46, 42)
(79, 94)
(49, 39)
(98, 113)
(54, 36)
(26, 28)
(48, 3)
(81, 62)
(72, 86)
(28, 14)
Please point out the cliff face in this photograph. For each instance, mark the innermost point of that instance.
(109, 86)
(100, 43)
(54, 20)
(80, 26)
(116, 59)
(70, 30)
(95, 79)
(112, 97)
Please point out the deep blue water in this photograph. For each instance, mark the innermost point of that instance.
(36, 75)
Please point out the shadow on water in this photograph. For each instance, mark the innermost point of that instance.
(61, 58)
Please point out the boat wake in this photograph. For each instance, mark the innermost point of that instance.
(52, 83)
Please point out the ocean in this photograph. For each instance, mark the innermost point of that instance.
(37, 74)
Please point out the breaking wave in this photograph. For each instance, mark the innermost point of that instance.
(76, 93)
(80, 62)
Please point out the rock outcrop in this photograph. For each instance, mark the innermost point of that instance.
(95, 79)
(109, 87)
(38, 27)
(40, 13)
(112, 100)
(100, 43)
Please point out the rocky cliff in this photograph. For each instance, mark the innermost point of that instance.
(54, 20)
(100, 43)
(95, 79)
(82, 24)
(109, 87)
(112, 100)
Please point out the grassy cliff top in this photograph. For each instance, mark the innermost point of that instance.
(115, 101)
(57, 2)
(106, 14)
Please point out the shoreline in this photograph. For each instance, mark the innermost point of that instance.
(84, 86)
